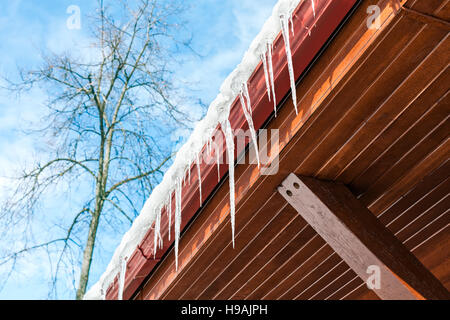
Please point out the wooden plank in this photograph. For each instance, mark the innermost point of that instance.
(360, 292)
(437, 225)
(389, 110)
(423, 188)
(392, 192)
(215, 255)
(215, 276)
(317, 279)
(414, 115)
(434, 203)
(435, 255)
(334, 285)
(349, 287)
(299, 249)
(249, 262)
(396, 169)
(303, 261)
(359, 238)
(369, 101)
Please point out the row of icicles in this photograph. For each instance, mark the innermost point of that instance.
(245, 102)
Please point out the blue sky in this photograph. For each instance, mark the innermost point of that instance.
(222, 30)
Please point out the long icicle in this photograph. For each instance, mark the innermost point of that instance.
(210, 144)
(229, 139)
(217, 160)
(197, 161)
(123, 270)
(170, 212)
(272, 81)
(285, 31)
(266, 73)
(249, 119)
(177, 219)
(156, 232)
(159, 231)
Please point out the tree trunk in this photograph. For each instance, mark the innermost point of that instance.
(88, 252)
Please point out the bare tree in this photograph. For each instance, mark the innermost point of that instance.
(108, 115)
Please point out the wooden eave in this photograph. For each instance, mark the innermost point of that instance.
(373, 114)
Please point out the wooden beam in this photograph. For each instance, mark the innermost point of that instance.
(360, 239)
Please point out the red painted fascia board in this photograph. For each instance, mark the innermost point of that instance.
(329, 14)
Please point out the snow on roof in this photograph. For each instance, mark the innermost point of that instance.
(218, 112)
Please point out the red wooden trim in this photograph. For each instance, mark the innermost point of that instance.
(329, 14)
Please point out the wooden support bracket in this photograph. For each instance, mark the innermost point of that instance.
(361, 240)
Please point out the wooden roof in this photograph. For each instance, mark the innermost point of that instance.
(373, 114)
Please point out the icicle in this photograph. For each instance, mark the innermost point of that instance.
(197, 161)
(285, 31)
(156, 233)
(159, 229)
(248, 117)
(313, 8)
(189, 174)
(272, 81)
(177, 219)
(218, 162)
(123, 269)
(266, 73)
(210, 144)
(170, 212)
(229, 139)
(292, 24)
(247, 98)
